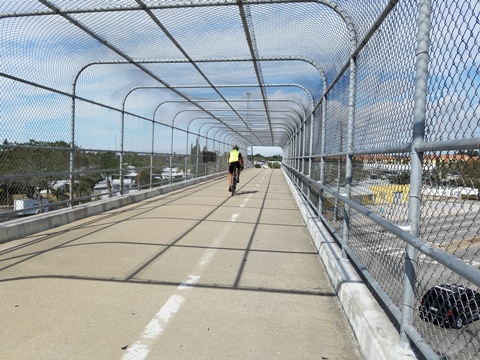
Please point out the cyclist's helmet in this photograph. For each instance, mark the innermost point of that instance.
(235, 147)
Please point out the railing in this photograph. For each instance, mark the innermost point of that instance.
(376, 244)
(40, 180)
(382, 138)
(390, 162)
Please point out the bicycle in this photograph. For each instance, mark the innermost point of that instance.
(234, 181)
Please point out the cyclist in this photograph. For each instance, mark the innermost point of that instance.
(235, 161)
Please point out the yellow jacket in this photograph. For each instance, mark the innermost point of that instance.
(234, 156)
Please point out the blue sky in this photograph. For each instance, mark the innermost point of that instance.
(33, 113)
(267, 150)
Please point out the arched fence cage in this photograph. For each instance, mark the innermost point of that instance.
(375, 105)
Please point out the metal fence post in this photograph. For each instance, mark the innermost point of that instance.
(186, 157)
(304, 138)
(122, 137)
(198, 152)
(348, 157)
(152, 154)
(419, 111)
(322, 152)
(72, 149)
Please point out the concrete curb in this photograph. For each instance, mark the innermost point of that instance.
(19, 228)
(377, 337)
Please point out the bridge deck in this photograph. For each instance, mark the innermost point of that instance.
(191, 274)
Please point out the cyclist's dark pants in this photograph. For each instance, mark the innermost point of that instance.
(233, 165)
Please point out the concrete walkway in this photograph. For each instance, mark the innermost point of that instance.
(192, 274)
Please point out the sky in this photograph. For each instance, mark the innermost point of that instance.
(36, 113)
(267, 150)
(30, 112)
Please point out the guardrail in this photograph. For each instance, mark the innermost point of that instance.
(376, 267)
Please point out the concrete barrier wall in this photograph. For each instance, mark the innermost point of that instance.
(377, 337)
(19, 228)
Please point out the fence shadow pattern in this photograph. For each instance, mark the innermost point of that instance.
(374, 106)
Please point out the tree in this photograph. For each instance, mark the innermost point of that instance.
(400, 178)
(195, 149)
(108, 160)
(143, 178)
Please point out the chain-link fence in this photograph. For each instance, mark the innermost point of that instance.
(375, 105)
(397, 181)
(124, 153)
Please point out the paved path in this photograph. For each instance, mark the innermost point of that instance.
(193, 274)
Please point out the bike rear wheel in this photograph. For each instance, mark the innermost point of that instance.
(234, 185)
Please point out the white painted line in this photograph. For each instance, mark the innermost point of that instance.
(244, 203)
(155, 327)
(187, 285)
(140, 349)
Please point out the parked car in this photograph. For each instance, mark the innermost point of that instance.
(450, 305)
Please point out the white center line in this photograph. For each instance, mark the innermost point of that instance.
(141, 348)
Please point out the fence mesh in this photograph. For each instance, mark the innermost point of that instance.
(102, 99)
(379, 176)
